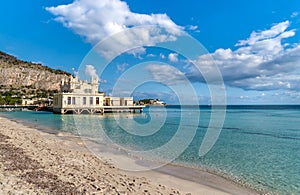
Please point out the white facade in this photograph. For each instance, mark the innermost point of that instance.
(78, 96)
(81, 96)
(78, 101)
(26, 102)
(118, 101)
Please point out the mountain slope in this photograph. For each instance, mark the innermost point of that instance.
(20, 75)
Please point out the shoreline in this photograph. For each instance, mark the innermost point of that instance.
(171, 177)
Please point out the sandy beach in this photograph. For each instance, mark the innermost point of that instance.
(36, 162)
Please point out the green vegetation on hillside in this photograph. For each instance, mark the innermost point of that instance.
(12, 96)
(8, 100)
(41, 81)
(145, 101)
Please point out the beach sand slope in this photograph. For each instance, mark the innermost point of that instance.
(36, 162)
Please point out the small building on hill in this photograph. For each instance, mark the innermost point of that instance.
(26, 102)
(82, 97)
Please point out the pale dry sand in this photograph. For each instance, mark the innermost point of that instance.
(35, 162)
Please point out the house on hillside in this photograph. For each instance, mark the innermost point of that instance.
(27, 102)
(36, 101)
(157, 103)
(82, 97)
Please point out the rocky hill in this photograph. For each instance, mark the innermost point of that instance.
(20, 75)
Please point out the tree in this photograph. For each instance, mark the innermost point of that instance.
(2, 101)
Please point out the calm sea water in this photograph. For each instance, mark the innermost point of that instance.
(259, 146)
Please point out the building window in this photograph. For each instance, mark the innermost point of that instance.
(69, 100)
(84, 101)
(73, 100)
(88, 91)
(91, 101)
(97, 101)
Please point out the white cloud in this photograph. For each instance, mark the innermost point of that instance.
(98, 19)
(162, 56)
(173, 57)
(121, 67)
(244, 97)
(192, 27)
(91, 71)
(294, 14)
(166, 74)
(151, 55)
(286, 81)
(261, 62)
(256, 37)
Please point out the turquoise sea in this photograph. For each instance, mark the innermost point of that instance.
(259, 146)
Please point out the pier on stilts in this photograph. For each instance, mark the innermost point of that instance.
(101, 110)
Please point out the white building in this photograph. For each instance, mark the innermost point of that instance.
(118, 101)
(82, 97)
(26, 102)
(157, 103)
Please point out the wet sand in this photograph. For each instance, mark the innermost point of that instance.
(36, 162)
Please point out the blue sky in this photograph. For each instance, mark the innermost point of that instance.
(255, 44)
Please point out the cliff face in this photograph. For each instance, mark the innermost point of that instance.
(19, 74)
